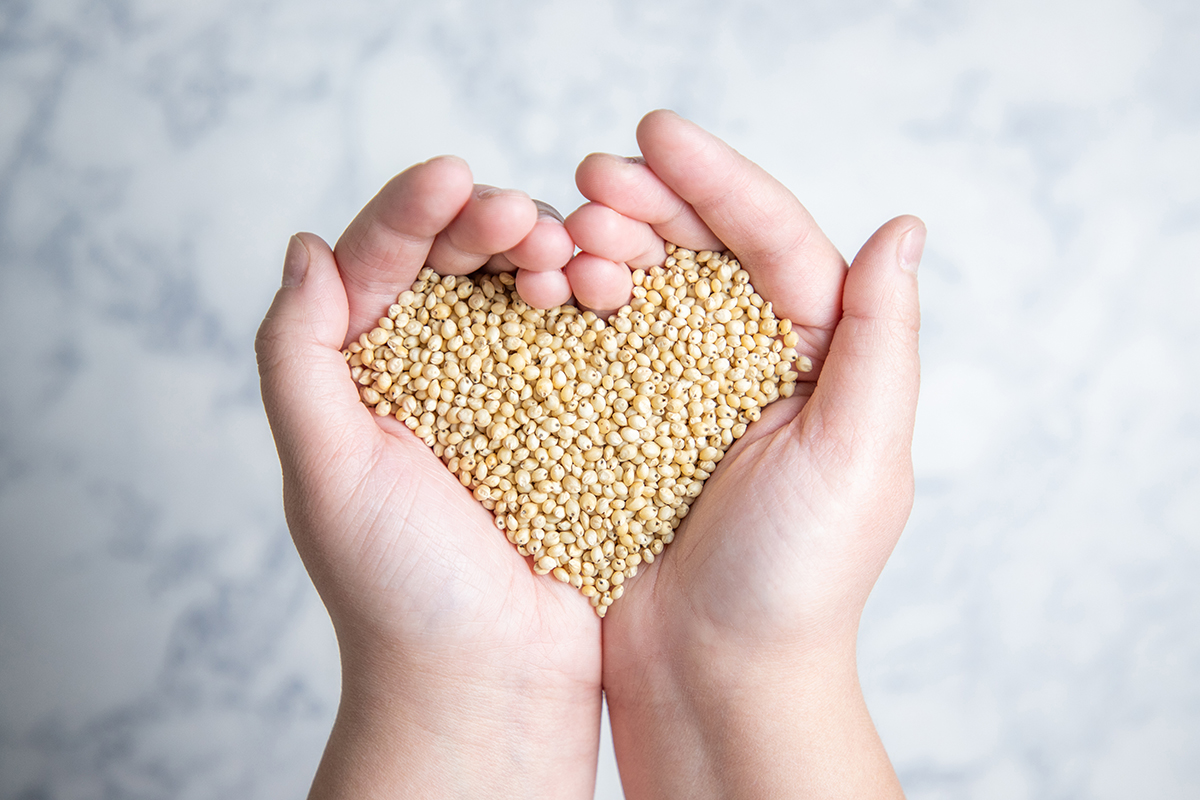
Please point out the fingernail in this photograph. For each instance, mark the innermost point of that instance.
(912, 245)
(484, 192)
(547, 210)
(295, 263)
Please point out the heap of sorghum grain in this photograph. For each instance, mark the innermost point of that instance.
(587, 439)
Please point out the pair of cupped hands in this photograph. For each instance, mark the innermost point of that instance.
(729, 664)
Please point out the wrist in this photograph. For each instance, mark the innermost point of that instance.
(702, 719)
(414, 726)
(696, 681)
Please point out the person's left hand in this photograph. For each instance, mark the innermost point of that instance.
(756, 605)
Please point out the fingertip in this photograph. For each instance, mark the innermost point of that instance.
(656, 117)
(593, 176)
(521, 211)
(449, 176)
(308, 259)
(664, 124)
(328, 306)
(497, 264)
(312, 313)
(549, 246)
(599, 283)
(445, 178)
(586, 169)
(604, 232)
(874, 285)
(897, 244)
(547, 289)
(448, 159)
(907, 221)
(493, 220)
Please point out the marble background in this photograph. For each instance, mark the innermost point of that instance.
(1037, 633)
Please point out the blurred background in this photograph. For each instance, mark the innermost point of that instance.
(1037, 632)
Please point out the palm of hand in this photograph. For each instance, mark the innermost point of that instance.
(734, 562)
(437, 567)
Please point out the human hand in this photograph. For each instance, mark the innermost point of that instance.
(729, 665)
(462, 670)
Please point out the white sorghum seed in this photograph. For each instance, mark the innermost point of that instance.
(587, 438)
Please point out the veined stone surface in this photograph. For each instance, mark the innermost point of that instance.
(1035, 632)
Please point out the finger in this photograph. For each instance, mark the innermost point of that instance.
(497, 264)
(630, 187)
(548, 247)
(790, 260)
(599, 284)
(386, 245)
(543, 289)
(597, 229)
(492, 221)
(864, 406)
(304, 378)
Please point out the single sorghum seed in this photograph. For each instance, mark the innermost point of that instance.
(587, 438)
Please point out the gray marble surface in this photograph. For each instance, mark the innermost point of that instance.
(1037, 633)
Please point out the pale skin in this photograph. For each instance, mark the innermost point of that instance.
(729, 664)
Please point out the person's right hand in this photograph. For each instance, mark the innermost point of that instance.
(729, 665)
(464, 674)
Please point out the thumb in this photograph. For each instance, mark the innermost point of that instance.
(310, 400)
(862, 412)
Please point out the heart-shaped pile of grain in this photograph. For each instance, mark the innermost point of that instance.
(587, 439)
